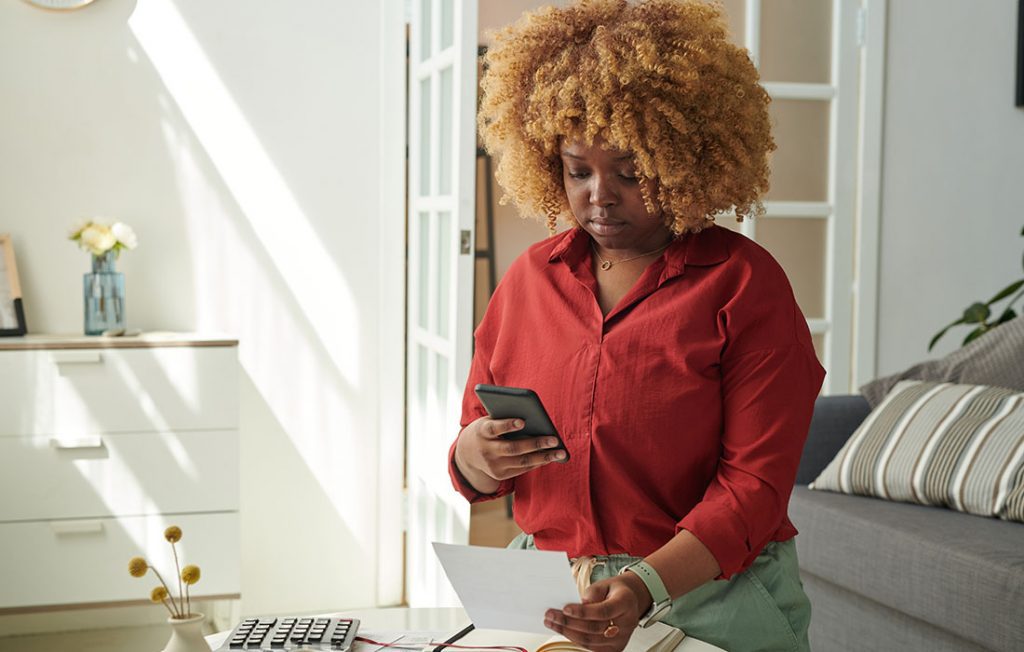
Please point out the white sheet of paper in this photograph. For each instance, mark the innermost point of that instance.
(508, 589)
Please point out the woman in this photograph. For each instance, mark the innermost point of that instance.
(669, 352)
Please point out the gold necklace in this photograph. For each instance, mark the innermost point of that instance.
(607, 264)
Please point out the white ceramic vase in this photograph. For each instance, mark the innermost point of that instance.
(187, 634)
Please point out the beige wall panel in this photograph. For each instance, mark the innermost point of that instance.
(800, 164)
(799, 245)
(494, 14)
(735, 14)
(796, 41)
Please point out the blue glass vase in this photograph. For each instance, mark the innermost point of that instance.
(103, 291)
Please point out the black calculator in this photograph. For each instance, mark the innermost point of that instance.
(275, 634)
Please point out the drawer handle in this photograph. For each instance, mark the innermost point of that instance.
(76, 443)
(77, 357)
(76, 527)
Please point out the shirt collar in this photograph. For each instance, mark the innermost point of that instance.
(699, 249)
(572, 248)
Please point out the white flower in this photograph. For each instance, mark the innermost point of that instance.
(77, 228)
(97, 239)
(125, 235)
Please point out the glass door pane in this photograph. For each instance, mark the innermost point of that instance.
(442, 149)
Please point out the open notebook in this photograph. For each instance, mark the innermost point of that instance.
(659, 637)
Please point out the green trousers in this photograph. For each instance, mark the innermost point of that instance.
(762, 609)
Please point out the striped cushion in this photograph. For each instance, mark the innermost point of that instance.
(956, 446)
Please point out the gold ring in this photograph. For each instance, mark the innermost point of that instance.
(611, 630)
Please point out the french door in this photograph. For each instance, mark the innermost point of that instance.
(442, 164)
(818, 61)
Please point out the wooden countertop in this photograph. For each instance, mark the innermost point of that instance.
(142, 341)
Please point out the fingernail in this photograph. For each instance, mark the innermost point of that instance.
(518, 423)
(560, 455)
(551, 442)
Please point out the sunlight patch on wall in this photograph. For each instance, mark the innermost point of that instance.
(254, 181)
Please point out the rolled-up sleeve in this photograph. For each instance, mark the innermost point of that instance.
(770, 377)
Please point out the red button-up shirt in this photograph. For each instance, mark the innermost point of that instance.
(685, 407)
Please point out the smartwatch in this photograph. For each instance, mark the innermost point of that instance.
(662, 602)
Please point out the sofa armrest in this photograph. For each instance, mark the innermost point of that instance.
(835, 418)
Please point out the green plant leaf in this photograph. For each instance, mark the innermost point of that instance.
(976, 313)
(975, 334)
(943, 332)
(1007, 291)
(1007, 315)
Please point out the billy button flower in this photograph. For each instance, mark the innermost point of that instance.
(138, 567)
(190, 575)
(159, 594)
(173, 535)
(181, 606)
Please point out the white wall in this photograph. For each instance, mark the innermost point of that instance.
(256, 148)
(953, 167)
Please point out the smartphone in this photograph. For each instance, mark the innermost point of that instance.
(519, 403)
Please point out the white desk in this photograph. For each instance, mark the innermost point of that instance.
(397, 619)
(448, 620)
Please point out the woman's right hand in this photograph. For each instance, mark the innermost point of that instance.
(485, 459)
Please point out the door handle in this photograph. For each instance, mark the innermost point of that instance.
(76, 527)
(77, 443)
(77, 357)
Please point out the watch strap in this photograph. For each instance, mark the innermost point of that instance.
(659, 594)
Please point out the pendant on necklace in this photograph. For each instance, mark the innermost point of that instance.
(606, 265)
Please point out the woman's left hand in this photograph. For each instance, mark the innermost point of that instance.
(610, 611)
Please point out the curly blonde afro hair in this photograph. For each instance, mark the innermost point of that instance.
(657, 78)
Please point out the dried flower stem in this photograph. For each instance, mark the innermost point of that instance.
(188, 600)
(164, 603)
(161, 578)
(181, 592)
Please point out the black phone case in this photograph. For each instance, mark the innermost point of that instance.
(519, 403)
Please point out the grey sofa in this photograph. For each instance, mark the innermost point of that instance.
(894, 576)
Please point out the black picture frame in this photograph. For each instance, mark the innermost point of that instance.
(12, 312)
(1020, 53)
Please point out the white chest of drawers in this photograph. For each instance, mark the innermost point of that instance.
(104, 442)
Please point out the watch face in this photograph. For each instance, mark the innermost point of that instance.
(59, 4)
